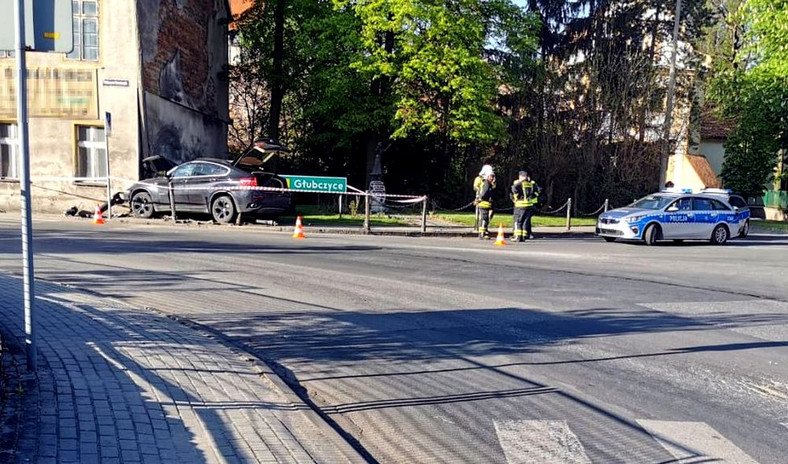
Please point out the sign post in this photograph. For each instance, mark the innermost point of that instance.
(24, 186)
(44, 26)
(107, 133)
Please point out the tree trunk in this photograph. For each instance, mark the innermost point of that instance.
(277, 83)
(379, 88)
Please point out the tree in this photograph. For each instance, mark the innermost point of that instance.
(751, 90)
(443, 82)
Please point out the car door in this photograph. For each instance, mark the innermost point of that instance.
(203, 182)
(180, 178)
(706, 217)
(679, 218)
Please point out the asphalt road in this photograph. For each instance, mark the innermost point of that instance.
(426, 350)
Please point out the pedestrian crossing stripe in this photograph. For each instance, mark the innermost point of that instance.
(539, 441)
(552, 441)
(694, 442)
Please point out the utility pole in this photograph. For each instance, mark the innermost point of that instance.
(24, 184)
(665, 154)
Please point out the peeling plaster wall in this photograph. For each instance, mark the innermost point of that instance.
(181, 134)
(184, 58)
(52, 140)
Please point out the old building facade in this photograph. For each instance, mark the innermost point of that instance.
(159, 67)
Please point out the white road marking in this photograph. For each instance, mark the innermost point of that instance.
(539, 442)
(694, 442)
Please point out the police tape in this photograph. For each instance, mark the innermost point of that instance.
(97, 180)
(130, 182)
(243, 188)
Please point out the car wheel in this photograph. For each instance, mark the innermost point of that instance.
(223, 209)
(745, 231)
(609, 239)
(141, 205)
(719, 235)
(651, 234)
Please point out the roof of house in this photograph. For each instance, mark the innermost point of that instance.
(239, 7)
(712, 127)
(702, 167)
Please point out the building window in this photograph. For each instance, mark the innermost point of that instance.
(86, 37)
(91, 154)
(7, 54)
(9, 153)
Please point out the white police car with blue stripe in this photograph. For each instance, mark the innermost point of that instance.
(675, 216)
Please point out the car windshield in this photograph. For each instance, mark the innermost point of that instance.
(652, 202)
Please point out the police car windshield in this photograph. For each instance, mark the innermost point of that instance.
(652, 202)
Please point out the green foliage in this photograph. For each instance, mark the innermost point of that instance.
(434, 55)
(751, 89)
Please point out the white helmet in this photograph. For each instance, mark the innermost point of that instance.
(486, 170)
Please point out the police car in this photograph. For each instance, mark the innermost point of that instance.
(675, 216)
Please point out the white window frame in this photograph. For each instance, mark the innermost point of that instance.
(13, 142)
(96, 156)
(80, 19)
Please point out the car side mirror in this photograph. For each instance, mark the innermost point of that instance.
(736, 208)
(672, 209)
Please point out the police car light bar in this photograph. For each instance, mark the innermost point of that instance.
(717, 190)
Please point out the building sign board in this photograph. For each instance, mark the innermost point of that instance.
(318, 184)
(115, 82)
(52, 92)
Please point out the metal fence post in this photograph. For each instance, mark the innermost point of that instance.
(367, 209)
(569, 214)
(172, 200)
(424, 215)
(607, 204)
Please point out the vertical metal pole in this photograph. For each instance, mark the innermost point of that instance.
(109, 186)
(340, 206)
(172, 200)
(607, 204)
(665, 156)
(24, 183)
(366, 213)
(424, 215)
(569, 214)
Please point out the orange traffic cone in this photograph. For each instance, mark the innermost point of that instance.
(98, 219)
(299, 229)
(500, 240)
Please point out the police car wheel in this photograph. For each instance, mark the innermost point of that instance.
(609, 239)
(651, 234)
(745, 231)
(719, 235)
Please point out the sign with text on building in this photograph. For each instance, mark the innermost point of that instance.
(49, 26)
(52, 93)
(315, 183)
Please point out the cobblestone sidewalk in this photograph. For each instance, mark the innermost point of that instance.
(119, 385)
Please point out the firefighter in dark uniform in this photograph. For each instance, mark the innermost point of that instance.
(525, 194)
(484, 185)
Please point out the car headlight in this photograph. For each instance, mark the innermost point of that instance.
(631, 219)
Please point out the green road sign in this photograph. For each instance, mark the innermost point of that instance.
(318, 184)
